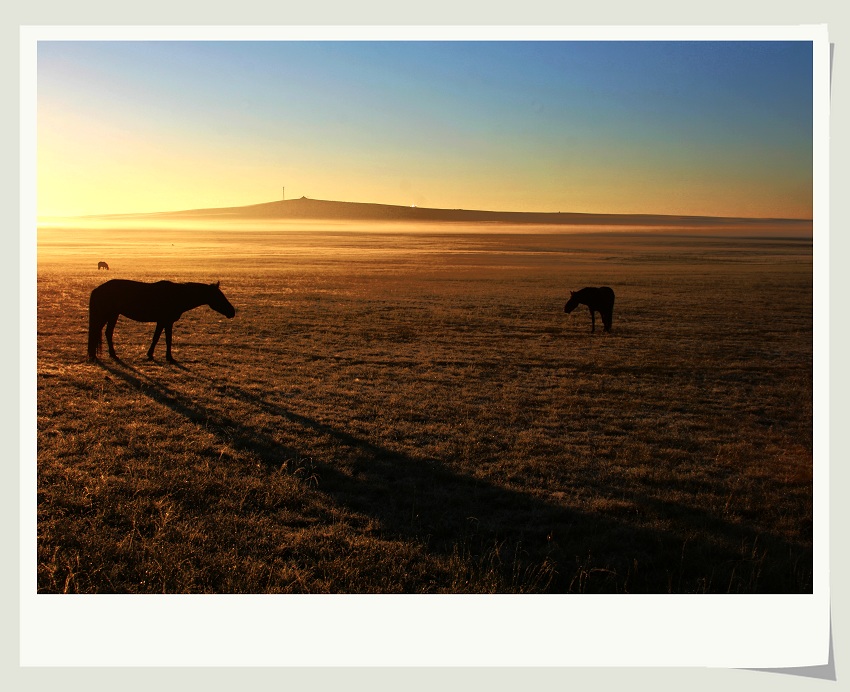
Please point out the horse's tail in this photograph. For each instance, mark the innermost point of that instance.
(608, 313)
(95, 329)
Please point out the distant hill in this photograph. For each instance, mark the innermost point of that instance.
(305, 208)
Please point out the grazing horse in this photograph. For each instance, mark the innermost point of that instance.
(599, 300)
(162, 302)
(102, 265)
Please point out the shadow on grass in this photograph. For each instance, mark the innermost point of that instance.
(534, 544)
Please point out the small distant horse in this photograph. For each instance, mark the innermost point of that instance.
(102, 265)
(599, 300)
(162, 302)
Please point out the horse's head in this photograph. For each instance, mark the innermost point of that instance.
(572, 303)
(218, 302)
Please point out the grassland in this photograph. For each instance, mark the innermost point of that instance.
(412, 411)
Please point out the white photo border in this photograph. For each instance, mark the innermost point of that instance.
(730, 631)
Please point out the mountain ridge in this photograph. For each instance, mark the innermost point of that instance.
(307, 208)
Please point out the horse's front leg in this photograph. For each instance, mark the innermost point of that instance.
(592, 321)
(168, 328)
(156, 333)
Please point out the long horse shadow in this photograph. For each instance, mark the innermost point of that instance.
(536, 544)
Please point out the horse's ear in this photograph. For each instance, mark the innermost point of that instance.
(217, 284)
(572, 293)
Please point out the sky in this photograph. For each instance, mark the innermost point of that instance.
(657, 127)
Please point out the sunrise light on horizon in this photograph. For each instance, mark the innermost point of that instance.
(707, 128)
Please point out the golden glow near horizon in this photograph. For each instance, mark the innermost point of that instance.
(691, 128)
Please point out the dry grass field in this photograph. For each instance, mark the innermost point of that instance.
(411, 411)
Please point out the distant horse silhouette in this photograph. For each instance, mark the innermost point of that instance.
(162, 302)
(599, 300)
(102, 265)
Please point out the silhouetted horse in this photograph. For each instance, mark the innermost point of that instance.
(162, 302)
(102, 265)
(599, 300)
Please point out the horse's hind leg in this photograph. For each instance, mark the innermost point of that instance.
(592, 321)
(168, 328)
(156, 333)
(110, 327)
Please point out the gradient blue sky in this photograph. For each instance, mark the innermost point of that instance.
(704, 128)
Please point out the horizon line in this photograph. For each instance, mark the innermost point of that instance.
(409, 208)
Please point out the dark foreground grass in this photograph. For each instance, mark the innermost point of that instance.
(416, 414)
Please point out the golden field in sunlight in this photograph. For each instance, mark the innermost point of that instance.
(408, 409)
